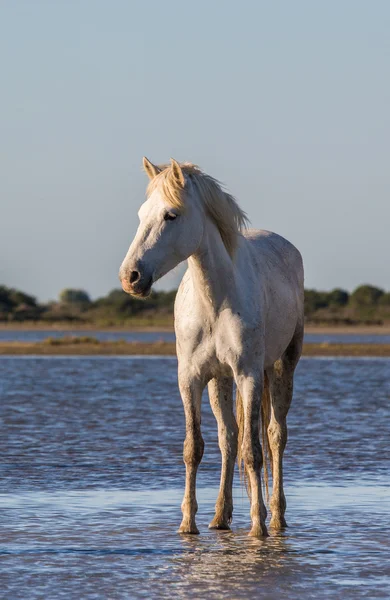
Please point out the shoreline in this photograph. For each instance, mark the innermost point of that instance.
(92, 347)
(309, 329)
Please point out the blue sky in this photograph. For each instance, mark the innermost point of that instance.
(286, 102)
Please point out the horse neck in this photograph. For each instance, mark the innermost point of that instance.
(212, 270)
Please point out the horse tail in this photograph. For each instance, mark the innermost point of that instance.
(266, 449)
(240, 425)
(265, 446)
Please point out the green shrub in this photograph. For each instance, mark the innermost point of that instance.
(72, 296)
(338, 297)
(366, 296)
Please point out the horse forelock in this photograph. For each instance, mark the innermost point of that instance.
(220, 206)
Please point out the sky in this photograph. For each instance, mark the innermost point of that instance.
(287, 103)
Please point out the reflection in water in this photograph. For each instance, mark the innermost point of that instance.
(235, 562)
(91, 481)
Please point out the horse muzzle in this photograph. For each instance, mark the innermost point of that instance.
(137, 284)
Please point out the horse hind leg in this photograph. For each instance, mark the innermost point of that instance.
(221, 400)
(250, 390)
(280, 378)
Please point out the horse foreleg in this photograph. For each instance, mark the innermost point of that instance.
(191, 393)
(221, 400)
(251, 389)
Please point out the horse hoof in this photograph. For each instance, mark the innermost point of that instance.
(219, 525)
(188, 529)
(258, 531)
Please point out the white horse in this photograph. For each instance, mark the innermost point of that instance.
(238, 317)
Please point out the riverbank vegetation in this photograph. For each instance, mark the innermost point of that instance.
(367, 305)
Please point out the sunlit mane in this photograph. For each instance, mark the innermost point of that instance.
(219, 205)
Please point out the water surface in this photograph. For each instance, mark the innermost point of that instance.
(20, 335)
(91, 481)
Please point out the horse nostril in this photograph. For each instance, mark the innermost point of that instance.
(134, 276)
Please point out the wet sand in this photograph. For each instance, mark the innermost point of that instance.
(75, 346)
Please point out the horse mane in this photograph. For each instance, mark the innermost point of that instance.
(220, 206)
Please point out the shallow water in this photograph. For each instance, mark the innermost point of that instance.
(21, 335)
(91, 481)
(37, 335)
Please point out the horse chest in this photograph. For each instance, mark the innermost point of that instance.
(211, 349)
(212, 358)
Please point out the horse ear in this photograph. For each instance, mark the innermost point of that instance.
(178, 173)
(151, 170)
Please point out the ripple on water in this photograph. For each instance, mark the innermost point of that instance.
(92, 478)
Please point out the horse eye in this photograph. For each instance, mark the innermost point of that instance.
(170, 216)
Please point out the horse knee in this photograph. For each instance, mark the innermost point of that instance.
(228, 442)
(193, 449)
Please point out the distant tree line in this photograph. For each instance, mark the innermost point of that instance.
(366, 304)
(364, 296)
(16, 305)
(75, 305)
